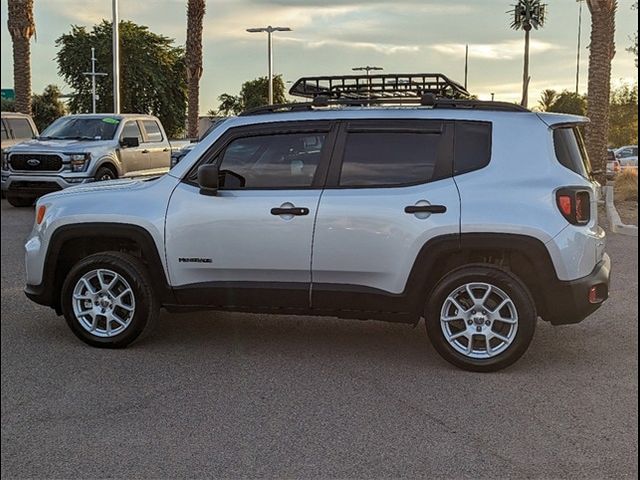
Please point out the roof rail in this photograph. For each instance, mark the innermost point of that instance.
(428, 100)
(388, 85)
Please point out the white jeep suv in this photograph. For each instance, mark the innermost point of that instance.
(479, 217)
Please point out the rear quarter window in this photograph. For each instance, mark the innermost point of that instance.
(472, 146)
(570, 150)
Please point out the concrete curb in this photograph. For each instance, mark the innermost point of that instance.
(614, 217)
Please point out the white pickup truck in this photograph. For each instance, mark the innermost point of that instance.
(84, 148)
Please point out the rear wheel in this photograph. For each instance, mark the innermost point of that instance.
(481, 318)
(20, 201)
(107, 300)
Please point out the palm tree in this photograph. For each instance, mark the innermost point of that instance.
(21, 27)
(601, 53)
(527, 14)
(547, 99)
(195, 15)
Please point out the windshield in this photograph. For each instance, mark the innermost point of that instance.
(81, 128)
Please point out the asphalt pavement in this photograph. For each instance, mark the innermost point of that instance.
(230, 395)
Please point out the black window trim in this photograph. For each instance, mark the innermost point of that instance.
(457, 172)
(145, 135)
(391, 126)
(327, 127)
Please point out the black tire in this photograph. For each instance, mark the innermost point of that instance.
(503, 280)
(146, 303)
(105, 173)
(20, 201)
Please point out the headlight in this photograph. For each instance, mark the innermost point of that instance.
(5, 161)
(79, 161)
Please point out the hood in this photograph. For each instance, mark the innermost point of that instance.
(63, 146)
(107, 187)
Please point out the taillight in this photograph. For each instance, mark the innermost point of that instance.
(574, 204)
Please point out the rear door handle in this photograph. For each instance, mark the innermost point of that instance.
(290, 211)
(425, 209)
(165, 149)
(145, 151)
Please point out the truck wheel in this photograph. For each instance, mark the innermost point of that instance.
(108, 301)
(105, 173)
(20, 201)
(480, 318)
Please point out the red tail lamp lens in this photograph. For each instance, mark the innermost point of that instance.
(40, 214)
(565, 204)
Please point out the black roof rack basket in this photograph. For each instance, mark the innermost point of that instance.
(379, 86)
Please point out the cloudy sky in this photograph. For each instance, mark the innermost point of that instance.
(332, 36)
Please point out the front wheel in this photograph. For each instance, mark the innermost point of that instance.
(107, 300)
(481, 318)
(104, 174)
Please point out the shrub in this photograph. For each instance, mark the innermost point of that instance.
(626, 185)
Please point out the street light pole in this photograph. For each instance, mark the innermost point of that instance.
(579, 41)
(93, 74)
(269, 30)
(116, 57)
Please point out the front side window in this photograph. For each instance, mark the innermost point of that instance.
(154, 134)
(571, 151)
(82, 128)
(131, 130)
(389, 158)
(21, 128)
(271, 161)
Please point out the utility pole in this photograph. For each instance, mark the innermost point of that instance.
(269, 30)
(579, 42)
(93, 74)
(466, 66)
(116, 57)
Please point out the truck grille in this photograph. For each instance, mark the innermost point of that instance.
(35, 162)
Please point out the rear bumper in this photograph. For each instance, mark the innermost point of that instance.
(569, 302)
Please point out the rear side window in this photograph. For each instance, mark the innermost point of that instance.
(571, 151)
(389, 158)
(21, 128)
(154, 134)
(472, 146)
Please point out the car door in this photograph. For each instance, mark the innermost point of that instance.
(389, 191)
(250, 245)
(133, 159)
(156, 147)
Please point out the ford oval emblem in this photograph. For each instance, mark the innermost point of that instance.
(33, 162)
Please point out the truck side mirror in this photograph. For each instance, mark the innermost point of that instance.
(208, 179)
(130, 142)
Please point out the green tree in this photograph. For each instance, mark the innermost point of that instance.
(152, 72)
(195, 16)
(254, 93)
(569, 102)
(22, 27)
(8, 105)
(547, 99)
(46, 107)
(527, 15)
(623, 116)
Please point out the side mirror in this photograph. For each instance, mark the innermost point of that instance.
(208, 179)
(130, 142)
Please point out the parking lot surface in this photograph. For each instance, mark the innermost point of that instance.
(234, 395)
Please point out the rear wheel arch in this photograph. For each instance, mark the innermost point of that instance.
(524, 256)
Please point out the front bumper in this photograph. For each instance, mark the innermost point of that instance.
(38, 185)
(569, 302)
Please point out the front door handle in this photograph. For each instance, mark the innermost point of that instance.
(290, 211)
(165, 149)
(145, 151)
(425, 209)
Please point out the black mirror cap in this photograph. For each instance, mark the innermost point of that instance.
(208, 179)
(130, 142)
